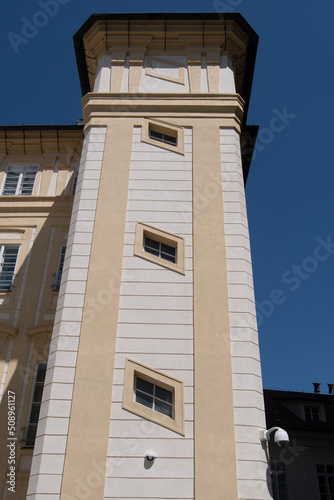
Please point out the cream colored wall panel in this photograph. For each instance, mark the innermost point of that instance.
(157, 195)
(235, 218)
(60, 374)
(62, 359)
(82, 227)
(50, 445)
(241, 292)
(242, 381)
(55, 408)
(244, 320)
(157, 218)
(163, 185)
(74, 275)
(158, 361)
(248, 452)
(84, 205)
(161, 166)
(248, 399)
(158, 488)
(156, 205)
(80, 238)
(156, 302)
(245, 334)
(79, 249)
(162, 468)
(89, 194)
(157, 289)
(236, 229)
(238, 253)
(157, 346)
(157, 317)
(237, 240)
(169, 448)
(71, 300)
(247, 435)
(134, 330)
(250, 469)
(44, 484)
(145, 429)
(235, 207)
(243, 348)
(240, 278)
(239, 265)
(164, 276)
(55, 391)
(52, 464)
(248, 417)
(53, 426)
(187, 376)
(246, 365)
(242, 305)
(250, 489)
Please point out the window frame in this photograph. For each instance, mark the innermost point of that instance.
(21, 168)
(324, 475)
(178, 242)
(134, 369)
(30, 424)
(278, 469)
(165, 129)
(60, 266)
(2, 251)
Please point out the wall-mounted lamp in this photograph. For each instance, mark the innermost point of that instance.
(150, 456)
(281, 437)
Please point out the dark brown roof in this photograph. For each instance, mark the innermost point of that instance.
(277, 414)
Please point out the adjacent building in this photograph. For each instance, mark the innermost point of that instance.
(128, 321)
(305, 467)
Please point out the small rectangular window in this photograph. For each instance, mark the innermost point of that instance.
(279, 482)
(75, 180)
(20, 180)
(35, 406)
(160, 249)
(166, 137)
(57, 280)
(8, 258)
(325, 475)
(153, 396)
(312, 413)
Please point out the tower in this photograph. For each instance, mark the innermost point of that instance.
(154, 347)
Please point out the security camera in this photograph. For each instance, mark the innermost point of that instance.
(281, 437)
(150, 456)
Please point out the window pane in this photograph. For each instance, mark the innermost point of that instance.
(27, 184)
(156, 135)
(144, 385)
(34, 413)
(41, 371)
(8, 266)
(11, 182)
(31, 435)
(164, 408)
(169, 139)
(144, 399)
(164, 394)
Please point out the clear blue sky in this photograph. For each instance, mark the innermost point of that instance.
(290, 186)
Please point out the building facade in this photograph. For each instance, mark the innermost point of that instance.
(305, 467)
(151, 376)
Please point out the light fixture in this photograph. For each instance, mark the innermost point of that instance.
(150, 456)
(281, 437)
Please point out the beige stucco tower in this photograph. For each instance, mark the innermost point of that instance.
(154, 348)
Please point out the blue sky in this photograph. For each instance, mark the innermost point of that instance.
(290, 186)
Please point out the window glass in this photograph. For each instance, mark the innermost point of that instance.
(19, 180)
(8, 258)
(153, 396)
(58, 275)
(31, 429)
(160, 249)
(326, 481)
